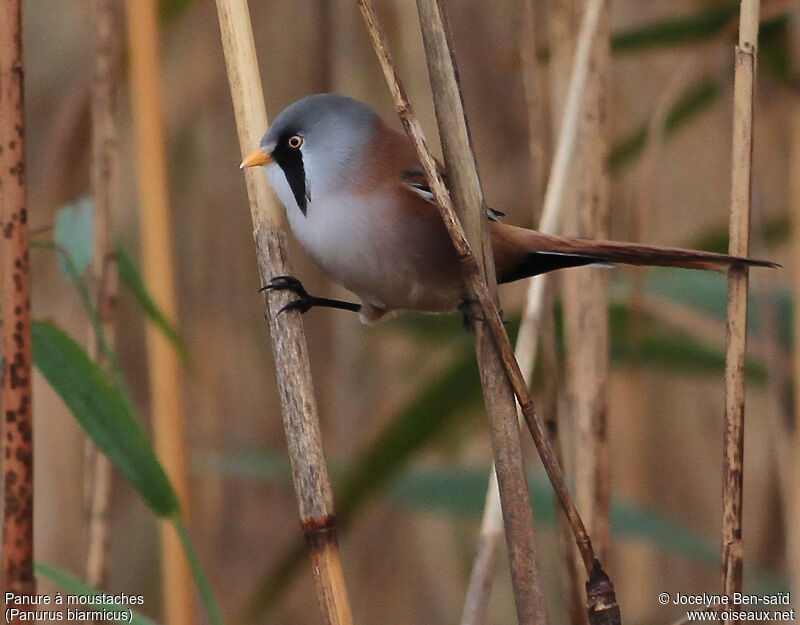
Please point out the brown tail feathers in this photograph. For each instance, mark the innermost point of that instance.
(521, 253)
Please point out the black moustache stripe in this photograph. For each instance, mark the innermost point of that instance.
(291, 162)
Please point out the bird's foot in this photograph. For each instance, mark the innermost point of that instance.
(468, 318)
(305, 301)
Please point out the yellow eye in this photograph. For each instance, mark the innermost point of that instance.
(295, 141)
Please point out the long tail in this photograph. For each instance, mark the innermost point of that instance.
(521, 253)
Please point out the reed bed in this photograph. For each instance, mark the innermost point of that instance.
(404, 565)
(155, 223)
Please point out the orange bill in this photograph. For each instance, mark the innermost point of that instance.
(256, 158)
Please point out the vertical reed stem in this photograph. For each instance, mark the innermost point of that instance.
(741, 185)
(15, 304)
(301, 422)
(586, 304)
(157, 266)
(104, 190)
(527, 339)
(498, 395)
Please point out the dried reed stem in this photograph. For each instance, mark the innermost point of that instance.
(527, 338)
(491, 529)
(600, 592)
(468, 198)
(742, 153)
(301, 422)
(586, 302)
(105, 165)
(164, 370)
(16, 306)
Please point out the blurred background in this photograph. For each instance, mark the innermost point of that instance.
(403, 422)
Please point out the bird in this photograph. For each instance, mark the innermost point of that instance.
(357, 200)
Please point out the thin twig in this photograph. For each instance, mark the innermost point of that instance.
(527, 338)
(164, 366)
(468, 198)
(104, 190)
(742, 154)
(16, 306)
(600, 593)
(301, 422)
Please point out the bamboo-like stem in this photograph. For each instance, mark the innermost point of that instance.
(741, 186)
(586, 304)
(600, 591)
(527, 338)
(164, 370)
(793, 178)
(16, 306)
(301, 422)
(468, 199)
(105, 165)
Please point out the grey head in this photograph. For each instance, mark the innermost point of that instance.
(318, 143)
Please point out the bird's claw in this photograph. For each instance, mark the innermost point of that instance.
(285, 283)
(303, 305)
(469, 318)
(304, 300)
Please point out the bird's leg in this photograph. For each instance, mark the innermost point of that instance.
(305, 301)
(468, 318)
